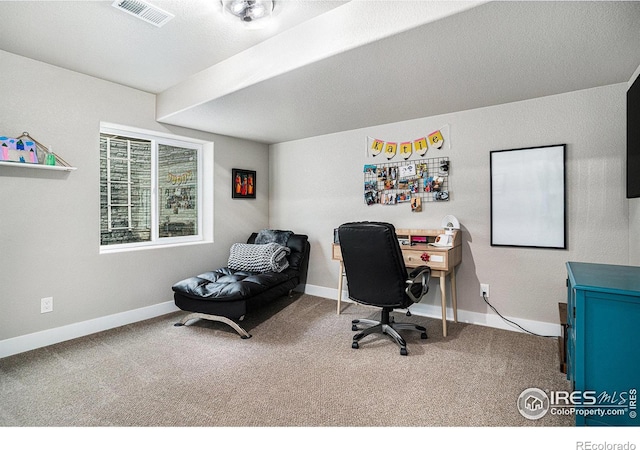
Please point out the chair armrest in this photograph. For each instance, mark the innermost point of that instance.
(420, 275)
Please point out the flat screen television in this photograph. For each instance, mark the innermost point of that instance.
(633, 139)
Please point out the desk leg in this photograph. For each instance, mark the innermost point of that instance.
(340, 285)
(443, 294)
(454, 295)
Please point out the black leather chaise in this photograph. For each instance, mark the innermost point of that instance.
(229, 293)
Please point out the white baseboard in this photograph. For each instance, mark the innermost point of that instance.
(32, 341)
(475, 318)
(40, 339)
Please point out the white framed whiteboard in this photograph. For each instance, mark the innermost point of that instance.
(528, 197)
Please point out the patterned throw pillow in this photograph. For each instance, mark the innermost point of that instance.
(278, 236)
(258, 257)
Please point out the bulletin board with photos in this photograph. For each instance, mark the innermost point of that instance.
(407, 182)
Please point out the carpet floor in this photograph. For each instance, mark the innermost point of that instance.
(298, 370)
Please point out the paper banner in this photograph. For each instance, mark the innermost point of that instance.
(406, 148)
(390, 149)
(435, 139)
(376, 147)
(180, 179)
(419, 146)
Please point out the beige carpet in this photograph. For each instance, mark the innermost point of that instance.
(297, 370)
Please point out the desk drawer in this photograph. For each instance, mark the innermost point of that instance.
(336, 252)
(437, 260)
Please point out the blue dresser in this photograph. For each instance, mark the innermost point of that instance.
(603, 342)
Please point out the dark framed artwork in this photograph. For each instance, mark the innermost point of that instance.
(243, 183)
(528, 197)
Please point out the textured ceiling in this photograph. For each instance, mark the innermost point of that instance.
(93, 38)
(327, 66)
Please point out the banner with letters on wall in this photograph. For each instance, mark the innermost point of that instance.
(438, 139)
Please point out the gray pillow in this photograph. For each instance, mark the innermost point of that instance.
(278, 236)
(258, 258)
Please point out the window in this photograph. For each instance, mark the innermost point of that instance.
(151, 189)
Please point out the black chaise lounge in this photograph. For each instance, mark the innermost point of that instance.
(271, 264)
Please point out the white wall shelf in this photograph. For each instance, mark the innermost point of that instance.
(36, 166)
(42, 153)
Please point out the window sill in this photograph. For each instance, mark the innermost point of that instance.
(110, 249)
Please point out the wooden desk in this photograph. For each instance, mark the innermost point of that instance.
(442, 261)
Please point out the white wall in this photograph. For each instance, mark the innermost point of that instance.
(49, 221)
(316, 184)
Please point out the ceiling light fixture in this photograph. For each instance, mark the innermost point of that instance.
(249, 10)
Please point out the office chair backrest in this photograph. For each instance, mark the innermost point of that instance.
(375, 269)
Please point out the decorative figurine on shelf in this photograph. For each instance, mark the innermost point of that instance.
(50, 160)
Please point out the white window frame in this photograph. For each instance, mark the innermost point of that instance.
(204, 188)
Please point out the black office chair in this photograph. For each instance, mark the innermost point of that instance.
(377, 276)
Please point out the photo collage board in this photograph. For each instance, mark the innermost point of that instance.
(407, 182)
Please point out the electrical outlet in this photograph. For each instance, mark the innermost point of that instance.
(46, 305)
(484, 290)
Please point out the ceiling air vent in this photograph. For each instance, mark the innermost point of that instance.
(144, 11)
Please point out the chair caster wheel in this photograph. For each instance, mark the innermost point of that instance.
(354, 328)
(403, 351)
(355, 345)
(423, 336)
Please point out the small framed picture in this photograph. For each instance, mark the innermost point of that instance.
(243, 183)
